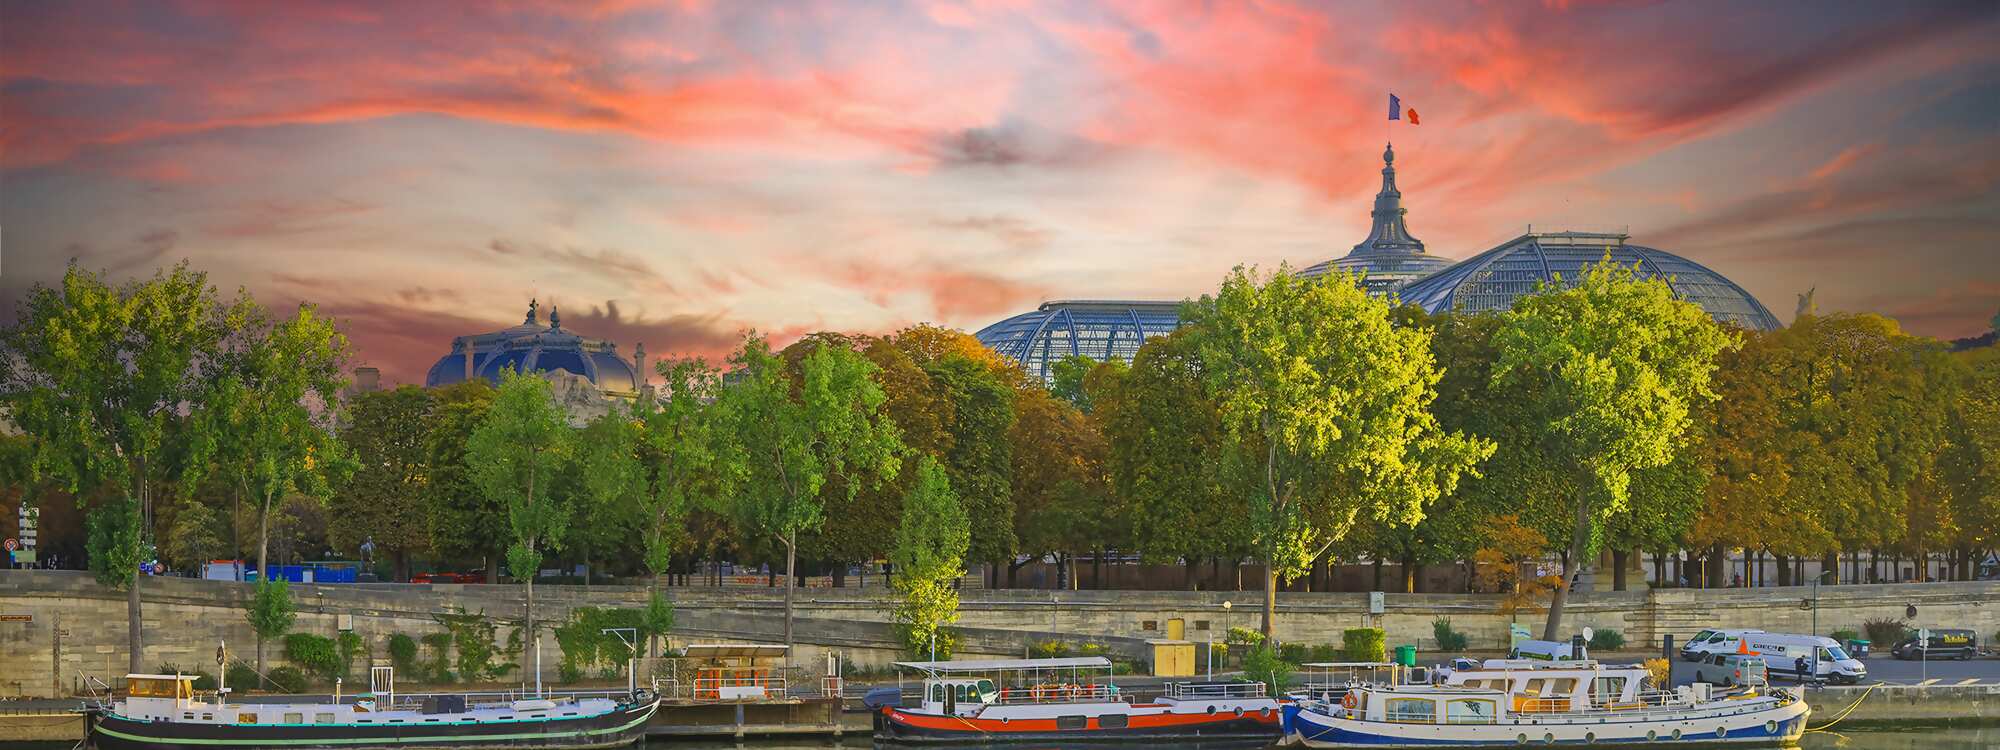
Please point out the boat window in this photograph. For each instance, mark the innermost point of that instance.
(1608, 688)
(1411, 711)
(1072, 722)
(1564, 686)
(295, 718)
(937, 693)
(1468, 711)
(246, 718)
(322, 718)
(986, 689)
(188, 716)
(1113, 721)
(208, 717)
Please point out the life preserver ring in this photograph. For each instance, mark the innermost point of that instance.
(1348, 701)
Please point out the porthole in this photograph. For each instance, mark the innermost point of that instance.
(1522, 739)
(1211, 710)
(1239, 710)
(1771, 727)
(1652, 735)
(1590, 738)
(1005, 719)
(1721, 732)
(1677, 735)
(1549, 738)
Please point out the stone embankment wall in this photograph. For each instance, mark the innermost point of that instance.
(78, 627)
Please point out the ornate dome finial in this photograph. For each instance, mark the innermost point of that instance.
(555, 318)
(1389, 154)
(531, 312)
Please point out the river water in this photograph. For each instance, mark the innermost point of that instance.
(1940, 738)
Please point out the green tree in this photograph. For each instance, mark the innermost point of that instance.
(1163, 435)
(610, 480)
(979, 458)
(276, 406)
(194, 536)
(520, 445)
(1060, 490)
(788, 439)
(1069, 374)
(271, 613)
(461, 519)
(98, 375)
(388, 435)
(678, 469)
(1326, 407)
(929, 555)
(1614, 368)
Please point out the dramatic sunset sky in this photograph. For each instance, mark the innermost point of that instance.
(676, 173)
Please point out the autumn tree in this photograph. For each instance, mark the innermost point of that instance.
(1062, 501)
(521, 443)
(932, 536)
(1325, 407)
(980, 389)
(1613, 368)
(789, 440)
(1971, 466)
(388, 434)
(98, 374)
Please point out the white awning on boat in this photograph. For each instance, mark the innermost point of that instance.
(1003, 665)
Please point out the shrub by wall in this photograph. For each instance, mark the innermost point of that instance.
(1364, 644)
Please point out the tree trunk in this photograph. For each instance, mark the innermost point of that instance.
(653, 639)
(264, 539)
(260, 662)
(1618, 559)
(1377, 565)
(1097, 570)
(402, 572)
(1830, 563)
(492, 568)
(1659, 570)
(1572, 564)
(791, 568)
(533, 641)
(135, 638)
(1409, 562)
(1188, 574)
(1236, 571)
(839, 574)
(1270, 600)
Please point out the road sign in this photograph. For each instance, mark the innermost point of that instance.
(1924, 636)
(12, 544)
(23, 556)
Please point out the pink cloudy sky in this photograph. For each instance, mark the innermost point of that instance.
(675, 173)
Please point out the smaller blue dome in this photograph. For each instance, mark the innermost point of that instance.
(532, 347)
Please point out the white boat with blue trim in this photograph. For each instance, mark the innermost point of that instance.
(163, 711)
(1578, 703)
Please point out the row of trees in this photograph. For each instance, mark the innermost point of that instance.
(1288, 423)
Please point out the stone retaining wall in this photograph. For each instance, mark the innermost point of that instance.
(185, 618)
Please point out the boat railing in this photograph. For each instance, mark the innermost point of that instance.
(1214, 690)
(1060, 693)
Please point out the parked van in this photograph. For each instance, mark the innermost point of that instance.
(1730, 670)
(1802, 657)
(1944, 643)
(1718, 640)
(1547, 651)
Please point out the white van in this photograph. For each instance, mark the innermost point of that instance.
(1785, 653)
(1718, 640)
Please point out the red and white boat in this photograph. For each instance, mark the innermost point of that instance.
(1069, 700)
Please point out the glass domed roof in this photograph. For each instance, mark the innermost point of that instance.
(1492, 280)
(532, 347)
(1098, 329)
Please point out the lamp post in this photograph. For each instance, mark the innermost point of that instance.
(1815, 588)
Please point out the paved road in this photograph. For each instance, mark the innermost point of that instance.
(1887, 669)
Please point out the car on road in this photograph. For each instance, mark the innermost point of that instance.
(1730, 670)
(1944, 643)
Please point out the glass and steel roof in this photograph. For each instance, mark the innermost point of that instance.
(1098, 329)
(1492, 280)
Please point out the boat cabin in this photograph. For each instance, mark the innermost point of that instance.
(962, 688)
(1543, 690)
(173, 688)
(738, 671)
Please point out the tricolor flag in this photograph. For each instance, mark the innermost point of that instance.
(1396, 110)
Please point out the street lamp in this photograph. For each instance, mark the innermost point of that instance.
(1815, 584)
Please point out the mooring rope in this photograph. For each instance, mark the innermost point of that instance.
(1850, 709)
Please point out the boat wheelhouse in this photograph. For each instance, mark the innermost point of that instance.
(1069, 699)
(1590, 704)
(164, 711)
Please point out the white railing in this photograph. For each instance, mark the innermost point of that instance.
(1214, 690)
(1062, 693)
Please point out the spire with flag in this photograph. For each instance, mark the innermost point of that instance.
(1396, 109)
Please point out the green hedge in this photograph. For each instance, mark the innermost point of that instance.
(1608, 639)
(1364, 644)
(403, 655)
(1449, 640)
(288, 679)
(315, 655)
